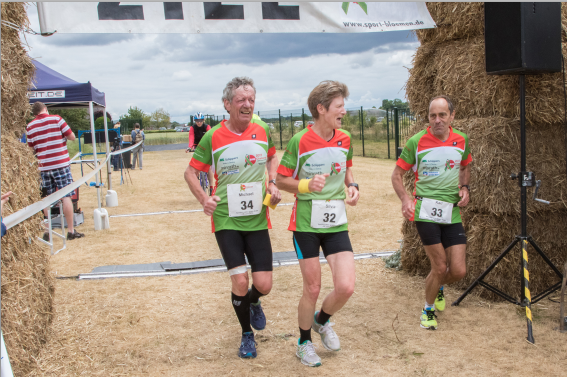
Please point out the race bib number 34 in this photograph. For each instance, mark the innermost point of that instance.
(436, 210)
(244, 199)
(328, 213)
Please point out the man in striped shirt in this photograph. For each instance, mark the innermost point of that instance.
(48, 135)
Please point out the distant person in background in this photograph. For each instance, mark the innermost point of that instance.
(5, 198)
(48, 135)
(137, 136)
(196, 133)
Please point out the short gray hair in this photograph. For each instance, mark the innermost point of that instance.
(446, 98)
(235, 83)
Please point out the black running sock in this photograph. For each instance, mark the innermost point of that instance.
(254, 295)
(241, 305)
(323, 317)
(305, 335)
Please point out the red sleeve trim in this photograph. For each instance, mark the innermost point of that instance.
(199, 165)
(467, 161)
(271, 151)
(285, 171)
(349, 163)
(404, 165)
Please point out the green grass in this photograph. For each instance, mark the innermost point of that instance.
(151, 139)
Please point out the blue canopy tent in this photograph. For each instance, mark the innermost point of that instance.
(57, 91)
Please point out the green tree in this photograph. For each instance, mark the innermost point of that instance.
(77, 119)
(389, 104)
(134, 113)
(159, 118)
(175, 124)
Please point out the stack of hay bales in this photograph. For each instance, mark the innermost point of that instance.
(27, 285)
(451, 61)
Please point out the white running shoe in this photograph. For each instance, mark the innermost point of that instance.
(306, 352)
(329, 337)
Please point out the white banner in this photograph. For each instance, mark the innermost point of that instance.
(232, 17)
(47, 94)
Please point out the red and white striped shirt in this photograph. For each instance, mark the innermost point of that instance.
(45, 136)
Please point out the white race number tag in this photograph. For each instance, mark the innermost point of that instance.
(328, 213)
(436, 210)
(244, 199)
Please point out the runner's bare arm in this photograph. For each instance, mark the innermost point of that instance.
(209, 203)
(464, 179)
(408, 206)
(272, 166)
(291, 184)
(352, 192)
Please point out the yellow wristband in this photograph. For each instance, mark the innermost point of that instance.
(304, 186)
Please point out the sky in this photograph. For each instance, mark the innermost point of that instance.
(186, 73)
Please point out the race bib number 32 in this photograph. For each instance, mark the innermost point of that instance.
(436, 210)
(327, 213)
(244, 199)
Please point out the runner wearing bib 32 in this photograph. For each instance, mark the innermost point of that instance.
(440, 159)
(239, 152)
(316, 167)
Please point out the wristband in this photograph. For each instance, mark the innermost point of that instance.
(303, 186)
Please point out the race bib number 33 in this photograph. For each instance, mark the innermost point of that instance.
(327, 213)
(244, 199)
(436, 210)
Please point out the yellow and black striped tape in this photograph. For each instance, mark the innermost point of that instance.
(526, 280)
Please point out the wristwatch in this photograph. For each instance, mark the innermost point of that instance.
(467, 186)
(272, 181)
(353, 185)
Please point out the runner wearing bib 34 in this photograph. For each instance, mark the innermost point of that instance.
(440, 159)
(239, 152)
(316, 167)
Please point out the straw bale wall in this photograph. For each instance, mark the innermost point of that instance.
(27, 285)
(450, 61)
(17, 68)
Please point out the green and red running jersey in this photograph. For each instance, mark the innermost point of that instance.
(236, 159)
(306, 155)
(436, 166)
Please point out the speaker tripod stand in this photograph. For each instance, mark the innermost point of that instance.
(525, 179)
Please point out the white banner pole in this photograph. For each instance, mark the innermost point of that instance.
(94, 154)
(108, 172)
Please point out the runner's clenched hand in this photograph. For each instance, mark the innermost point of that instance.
(211, 204)
(408, 209)
(276, 195)
(353, 195)
(318, 182)
(464, 194)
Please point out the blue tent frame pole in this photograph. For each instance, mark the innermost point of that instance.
(108, 171)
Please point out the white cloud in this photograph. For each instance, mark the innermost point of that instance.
(182, 75)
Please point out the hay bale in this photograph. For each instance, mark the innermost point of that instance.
(488, 236)
(454, 21)
(27, 285)
(495, 146)
(462, 21)
(17, 69)
(457, 69)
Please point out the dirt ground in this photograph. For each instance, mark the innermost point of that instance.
(185, 325)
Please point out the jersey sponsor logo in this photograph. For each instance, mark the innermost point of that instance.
(449, 164)
(431, 173)
(335, 168)
(230, 172)
(250, 160)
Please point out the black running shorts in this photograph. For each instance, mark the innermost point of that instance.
(446, 234)
(307, 244)
(256, 245)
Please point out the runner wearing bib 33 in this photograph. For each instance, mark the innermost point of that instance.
(316, 167)
(440, 159)
(239, 152)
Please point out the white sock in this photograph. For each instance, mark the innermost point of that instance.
(429, 307)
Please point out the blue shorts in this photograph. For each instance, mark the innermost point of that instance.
(56, 179)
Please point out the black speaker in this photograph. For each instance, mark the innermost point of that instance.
(522, 38)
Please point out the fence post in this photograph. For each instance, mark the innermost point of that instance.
(191, 120)
(388, 131)
(303, 117)
(280, 115)
(396, 132)
(291, 124)
(362, 129)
